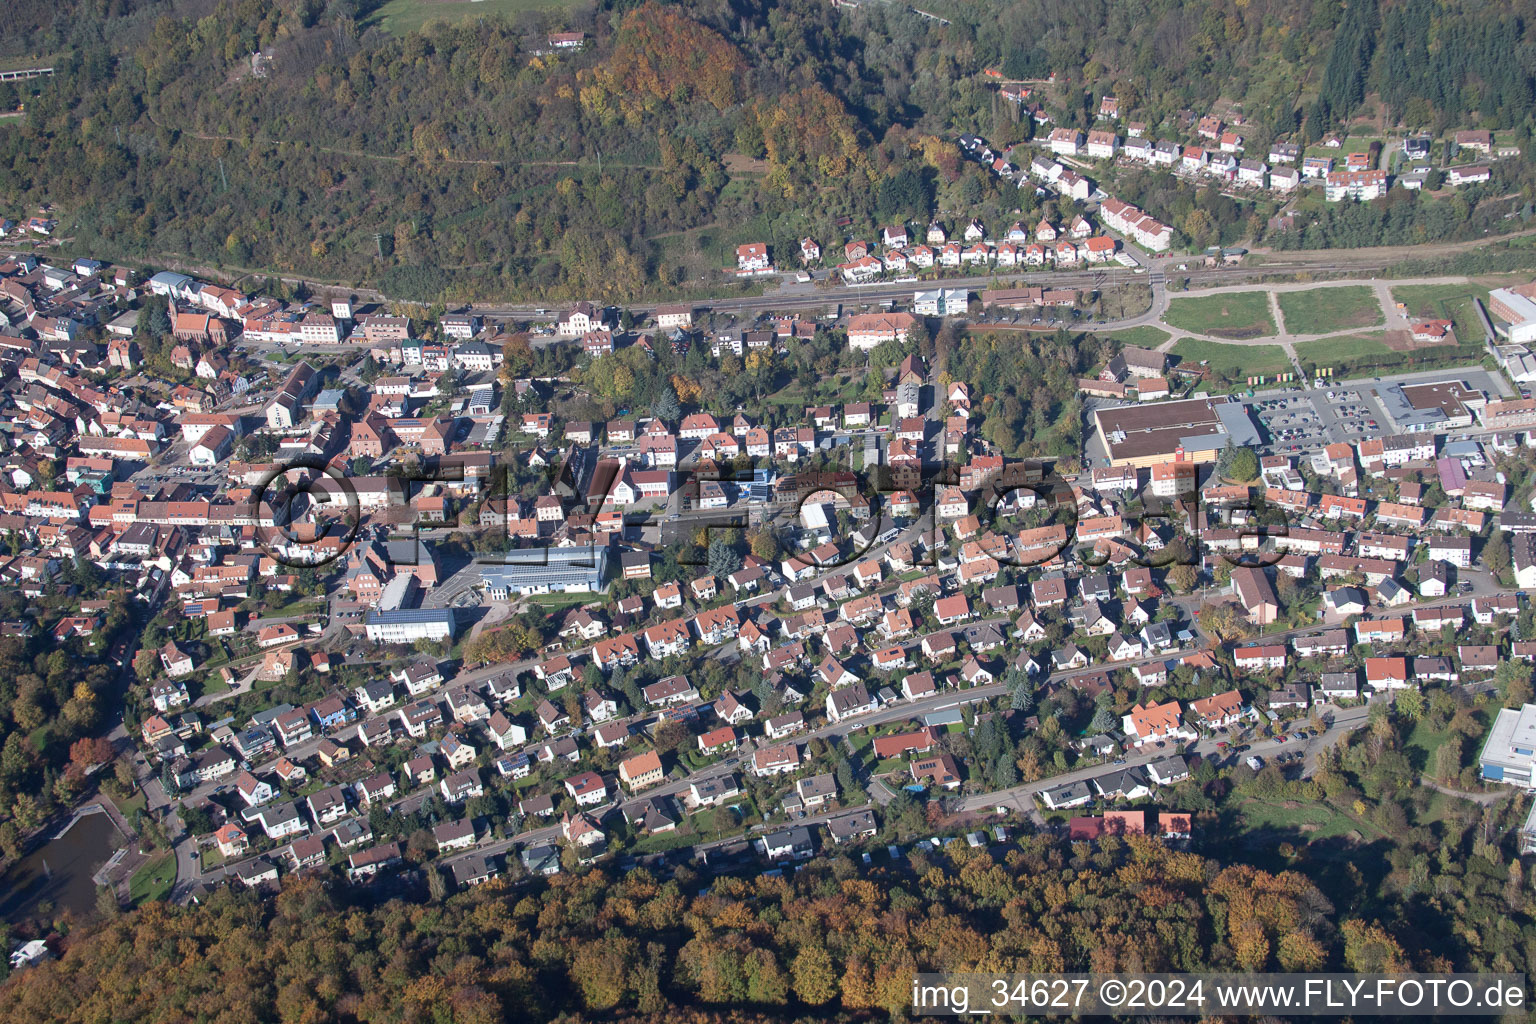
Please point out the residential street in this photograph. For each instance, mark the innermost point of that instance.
(1340, 722)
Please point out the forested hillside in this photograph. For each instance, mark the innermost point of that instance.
(825, 942)
(468, 160)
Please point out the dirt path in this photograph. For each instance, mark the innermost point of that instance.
(1486, 799)
(361, 154)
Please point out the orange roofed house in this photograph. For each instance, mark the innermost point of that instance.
(752, 257)
(1116, 823)
(1153, 723)
(868, 330)
(641, 771)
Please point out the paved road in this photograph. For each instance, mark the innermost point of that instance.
(1315, 261)
(1330, 427)
(467, 577)
(792, 295)
(791, 299)
(1019, 798)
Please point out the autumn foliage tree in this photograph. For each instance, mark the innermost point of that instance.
(809, 136)
(659, 55)
(824, 943)
(508, 643)
(88, 751)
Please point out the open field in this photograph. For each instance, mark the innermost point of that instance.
(131, 806)
(1326, 351)
(1234, 362)
(557, 602)
(1324, 310)
(1443, 301)
(213, 684)
(1239, 315)
(401, 17)
(1351, 144)
(1146, 336)
(1424, 742)
(1313, 821)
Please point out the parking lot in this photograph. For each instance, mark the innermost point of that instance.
(1298, 422)
(170, 475)
(1355, 411)
(1290, 422)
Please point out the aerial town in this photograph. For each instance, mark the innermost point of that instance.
(381, 592)
(764, 512)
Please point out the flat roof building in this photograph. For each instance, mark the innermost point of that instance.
(1194, 430)
(546, 570)
(407, 625)
(1516, 311)
(941, 302)
(1421, 408)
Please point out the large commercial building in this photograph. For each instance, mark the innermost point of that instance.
(1194, 430)
(1515, 308)
(1426, 408)
(407, 625)
(546, 570)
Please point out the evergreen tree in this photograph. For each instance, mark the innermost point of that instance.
(1021, 690)
(1005, 773)
(666, 407)
(844, 774)
(153, 322)
(1224, 460)
(1104, 718)
(723, 558)
(630, 687)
